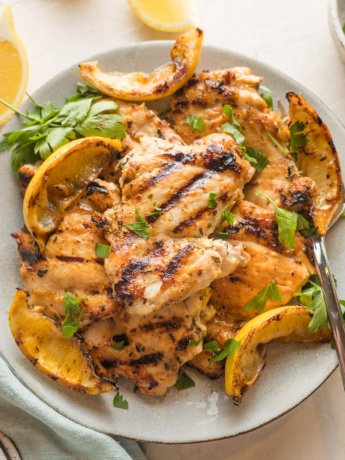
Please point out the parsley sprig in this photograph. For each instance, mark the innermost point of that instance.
(298, 138)
(48, 127)
(183, 381)
(256, 158)
(227, 350)
(119, 401)
(195, 122)
(313, 297)
(140, 226)
(258, 303)
(211, 201)
(266, 95)
(71, 306)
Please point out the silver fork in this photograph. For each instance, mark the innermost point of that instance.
(331, 297)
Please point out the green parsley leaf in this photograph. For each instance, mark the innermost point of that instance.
(120, 402)
(222, 236)
(47, 127)
(256, 158)
(313, 298)
(229, 217)
(277, 144)
(212, 347)
(258, 303)
(102, 250)
(140, 227)
(71, 307)
(157, 211)
(196, 123)
(298, 138)
(228, 349)
(305, 227)
(266, 95)
(193, 343)
(118, 345)
(184, 381)
(228, 111)
(287, 224)
(234, 128)
(212, 202)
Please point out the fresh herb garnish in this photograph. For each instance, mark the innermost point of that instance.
(120, 402)
(258, 303)
(313, 298)
(222, 236)
(102, 250)
(184, 381)
(193, 343)
(196, 123)
(48, 127)
(228, 217)
(298, 138)
(212, 202)
(157, 211)
(287, 224)
(234, 128)
(256, 158)
(212, 347)
(118, 345)
(266, 95)
(305, 227)
(277, 144)
(228, 349)
(140, 226)
(72, 309)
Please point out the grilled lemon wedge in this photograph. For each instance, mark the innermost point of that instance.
(41, 341)
(162, 82)
(289, 324)
(60, 179)
(317, 159)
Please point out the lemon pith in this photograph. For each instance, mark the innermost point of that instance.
(40, 340)
(14, 74)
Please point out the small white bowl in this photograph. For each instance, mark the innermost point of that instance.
(336, 22)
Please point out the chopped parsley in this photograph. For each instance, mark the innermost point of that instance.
(183, 381)
(228, 217)
(212, 202)
(222, 236)
(298, 138)
(72, 309)
(194, 343)
(48, 127)
(258, 303)
(234, 128)
(196, 123)
(140, 226)
(228, 349)
(277, 144)
(120, 402)
(157, 211)
(266, 95)
(256, 158)
(102, 250)
(287, 224)
(212, 347)
(313, 298)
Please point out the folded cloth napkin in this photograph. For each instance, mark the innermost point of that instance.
(40, 433)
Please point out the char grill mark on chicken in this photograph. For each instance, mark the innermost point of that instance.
(206, 94)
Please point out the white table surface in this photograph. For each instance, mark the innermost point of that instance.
(292, 36)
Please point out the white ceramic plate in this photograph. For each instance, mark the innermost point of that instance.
(202, 413)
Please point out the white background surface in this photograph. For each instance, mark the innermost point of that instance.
(292, 36)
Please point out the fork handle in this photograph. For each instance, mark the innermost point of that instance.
(332, 302)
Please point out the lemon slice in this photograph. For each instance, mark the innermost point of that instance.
(61, 179)
(161, 82)
(319, 160)
(14, 65)
(40, 340)
(167, 15)
(288, 324)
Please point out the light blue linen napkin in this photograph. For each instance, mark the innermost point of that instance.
(40, 433)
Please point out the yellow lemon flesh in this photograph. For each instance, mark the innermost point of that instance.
(161, 82)
(14, 65)
(61, 179)
(319, 160)
(40, 340)
(167, 15)
(289, 324)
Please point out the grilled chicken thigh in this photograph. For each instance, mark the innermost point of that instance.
(206, 94)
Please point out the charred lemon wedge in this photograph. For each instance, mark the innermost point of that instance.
(60, 179)
(288, 324)
(162, 82)
(40, 340)
(317, 158)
